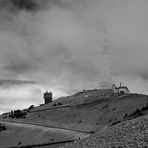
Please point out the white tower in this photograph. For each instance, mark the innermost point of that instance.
(105, 79)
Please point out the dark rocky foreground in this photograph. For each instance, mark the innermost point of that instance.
(129, 134)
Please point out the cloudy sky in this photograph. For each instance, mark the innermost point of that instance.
(56, 44)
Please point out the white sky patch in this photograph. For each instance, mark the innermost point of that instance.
(21, 97)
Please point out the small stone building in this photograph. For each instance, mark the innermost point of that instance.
(121, 89)
(48, 97)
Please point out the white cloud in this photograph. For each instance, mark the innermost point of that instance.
(58, 46)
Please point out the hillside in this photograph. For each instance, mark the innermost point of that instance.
(87, 111)
(129, 134)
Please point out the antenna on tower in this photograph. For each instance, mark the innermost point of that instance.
(105, 41)
(105, 71)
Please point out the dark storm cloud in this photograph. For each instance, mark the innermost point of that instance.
(57, 43)
(18, 66)
(9, 82)
(50, 37)
(28, 5)
(23, 4)
(66, 35)
(15, 5)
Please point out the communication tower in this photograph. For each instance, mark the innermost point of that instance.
(105, 80)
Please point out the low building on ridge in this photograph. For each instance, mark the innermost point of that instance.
(120, 90)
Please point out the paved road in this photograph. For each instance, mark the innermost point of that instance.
(48, 126)
(74, 133)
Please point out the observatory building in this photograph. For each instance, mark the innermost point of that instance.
(120, 90)
(105, 79)
(47, 97)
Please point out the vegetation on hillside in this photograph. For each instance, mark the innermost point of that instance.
(129, 134)
(18, 113)
(87, 111)
(2, 127)
(137, 113)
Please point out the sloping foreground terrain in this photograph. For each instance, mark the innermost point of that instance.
(87, 111)
(129, 134)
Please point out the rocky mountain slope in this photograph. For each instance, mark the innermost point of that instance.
(90, 111)
(129, 134)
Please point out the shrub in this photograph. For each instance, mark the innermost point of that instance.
(17, 114)
(4, 117)
(137, 113)
(104, 106)
(80, 121)
(125, 116)
(2, 128)
(19, 143)
(92, 132)
(59, 103)
(54, 104)
(114, 109)
(114, 123)
(31, 107)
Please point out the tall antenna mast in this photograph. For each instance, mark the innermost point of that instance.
(105, 81)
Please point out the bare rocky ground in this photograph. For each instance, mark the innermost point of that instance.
(129, 134)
